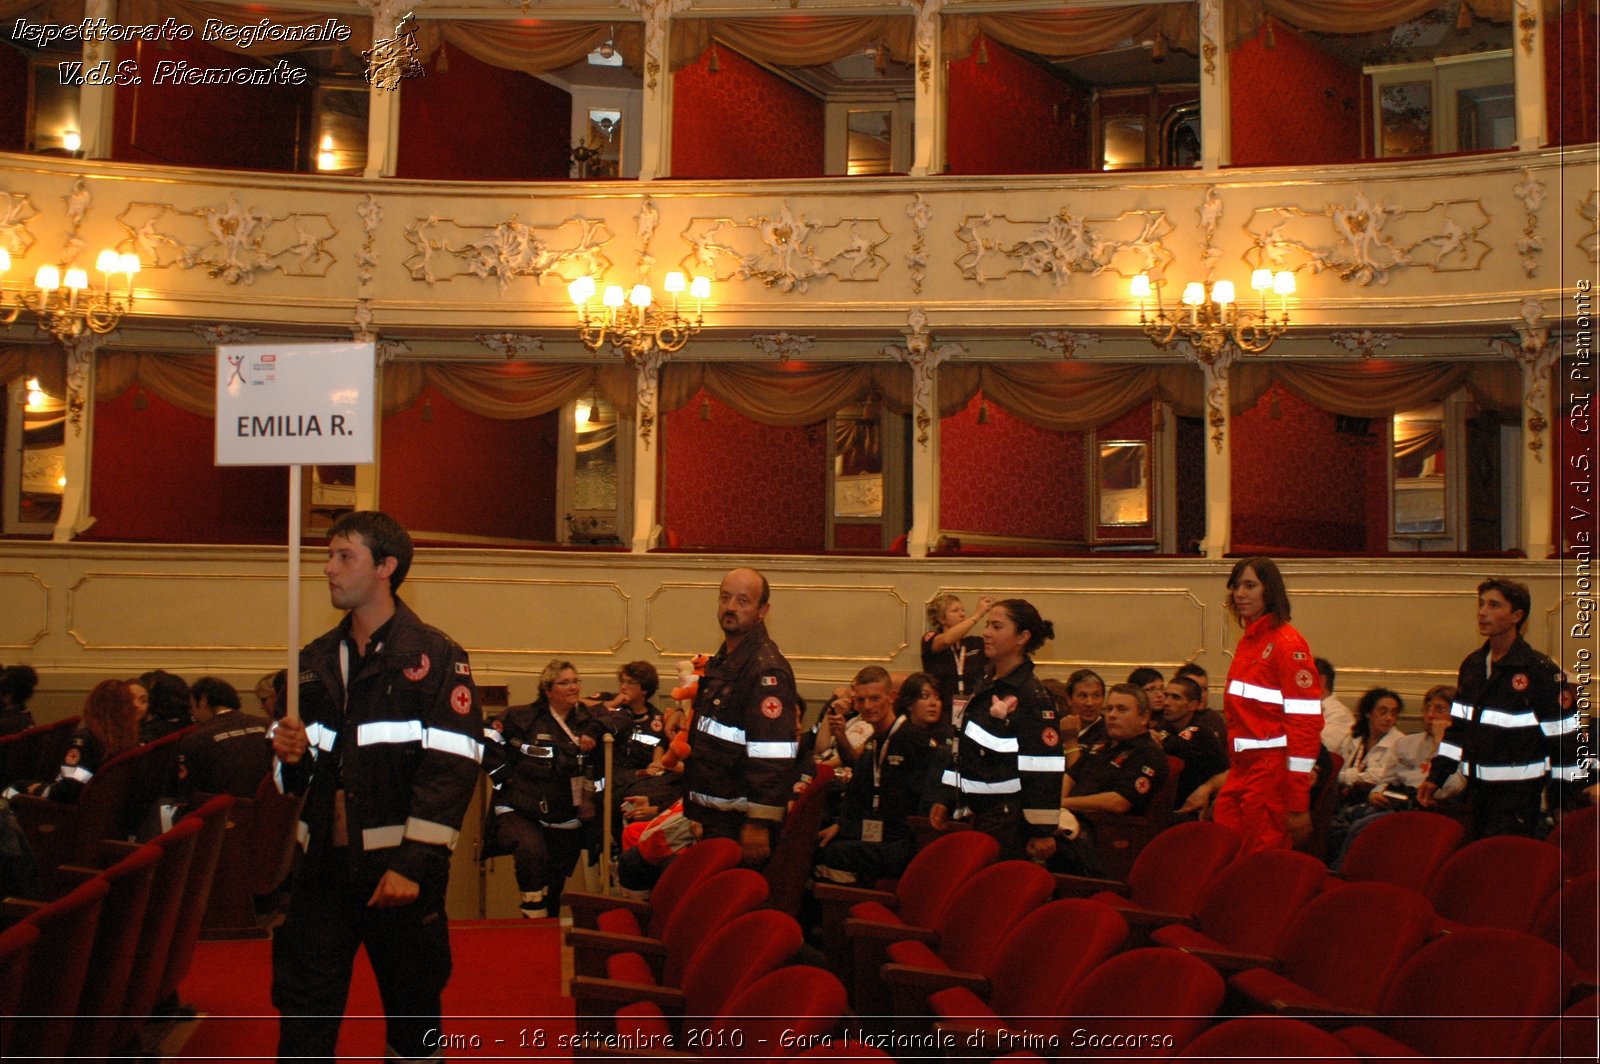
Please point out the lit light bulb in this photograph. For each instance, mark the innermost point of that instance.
(675, 283)
(1283, 283)
(1222, 293)
(48, 279)
(640, 296)
(1261, 280)
(613, 297)
(700, 288)
(1194, 293)
(106, 261)
(71, 140)
(1140, 286)
(581, 290)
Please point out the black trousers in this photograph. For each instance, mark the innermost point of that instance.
(543, 856)
(1509, 808)
(315, 948)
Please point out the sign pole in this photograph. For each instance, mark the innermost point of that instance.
(291, 687)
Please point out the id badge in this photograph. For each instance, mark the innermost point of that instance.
(341, 823)
(958, 709)
(872, 831)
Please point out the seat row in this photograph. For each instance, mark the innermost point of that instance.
(82, 973)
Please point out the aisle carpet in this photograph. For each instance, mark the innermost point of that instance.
(506, 985)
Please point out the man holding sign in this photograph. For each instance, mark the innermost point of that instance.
(387, 752)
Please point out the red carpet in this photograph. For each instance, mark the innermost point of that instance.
(505, 986)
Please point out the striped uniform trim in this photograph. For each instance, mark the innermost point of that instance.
(384, 838)
(1302, 764)
(1027, 763)
(730, 805)
(452, 742)
(772, 751)
(302, 833)
(1530, 770)
(1450, 750)
(418, 830)
(389, 731)
(76, 772)
(1240, 745)
(1010, 786)
(999, 744)
(1307, 706)
(321, 737)
(757, 811)
(1260, 694)
(1563, 726)
(1460, 710)
(718, 730)
(493, 736)
(950, 778)
(646, 738)
(1500, 718)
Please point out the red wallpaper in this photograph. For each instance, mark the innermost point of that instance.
(1008, 478)
(734, 483)
(742, 122)
(155, 479)
(1298, 483)
(1571, 45)
(858, 537)
(1054, 114)
(14, 87)
(1191, 487)
(238, 127)
(500, 479)
(454, 124)
(1293, 105)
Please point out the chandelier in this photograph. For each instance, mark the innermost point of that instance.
(1214, 318)
(65, 304)
(635, 322)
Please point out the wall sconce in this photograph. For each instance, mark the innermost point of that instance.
(63, 308)
(635, 322)
(1214, 318)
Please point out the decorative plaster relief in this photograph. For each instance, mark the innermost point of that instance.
(219, 335)
(789, 251)
(15, 210)
(1589, 211)
(924, 358)
(920, 213)
(367, 258)
(1366, 342)
(1063, 244)
(511, 345)
(1536, 353)
(782, 345)
(1064, 343)
(1372, 239)
(447, 249)
(233, 242)
(1531, 192)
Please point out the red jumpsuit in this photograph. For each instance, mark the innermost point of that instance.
(1273, 702)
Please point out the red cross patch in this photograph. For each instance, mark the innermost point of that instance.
(1142, 785)
(771, 707)
(461, 699)
(1050, 737)
(1303, 679)
(418, 671)
(1519, 682)
(655, 723)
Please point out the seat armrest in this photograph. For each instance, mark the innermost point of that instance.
(591, 948)
(847, 895)
(882, 932)
(918, 983)
(1083, 886)
(586, 989)
(1228, 962)
(587, 907)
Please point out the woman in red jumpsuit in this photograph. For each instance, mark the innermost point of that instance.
(1273, 702)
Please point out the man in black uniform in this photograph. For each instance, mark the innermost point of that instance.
(1119, 774)
(1509, 734)
(229, 753)
(1182, 735)
(387, 751)
(742, 744)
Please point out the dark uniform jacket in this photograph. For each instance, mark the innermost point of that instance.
(1202, 754)
(1135, 769)
(1508, 727)
(902, 786)
(404, 746)
(229, 754)
(742, 740)
(959, 669)
(1009, 759)
(532, 761)
(639, 739)
(83, 757)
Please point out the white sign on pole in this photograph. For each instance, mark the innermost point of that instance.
(295, 404)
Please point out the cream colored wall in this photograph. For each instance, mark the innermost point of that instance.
(82, 612)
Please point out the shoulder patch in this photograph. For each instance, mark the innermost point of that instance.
(1049, 736)
(769, 681)
(1142, 785)
(461, 699)
(307, 676)
(1519, 682)
(463, 669)
(1267, 652)
(419, 670)
(771, 707)
(1299, 655)
(1303, 679)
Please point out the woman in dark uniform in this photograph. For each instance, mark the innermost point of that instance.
(543, 761)
(107, 729)
(952, 653)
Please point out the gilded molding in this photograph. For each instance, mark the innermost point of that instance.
(80, 375)
(921, 213)
(506, 250)
(1537, 354)
(233, 243)
(924, 359)
(789, 250)
(220, 334)
(1527, 24)
(1366, 342)
(647, 370)
(782, 345)
(1210, 21)
(1062, 342)
(1062, 244)
(367, 258)
(1589, 211)
(1371, 240)
(1530, 190)
(12, 610)
(15, 210)
(511, 345)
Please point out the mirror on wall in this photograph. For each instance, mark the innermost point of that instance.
(1122, 477)
(858, 462)
(1418, 460)
(35, 465)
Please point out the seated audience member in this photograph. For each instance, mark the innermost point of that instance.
(1085, 725)
(267, 695)
(640, 745)
(1154, 684)
(107, 729)
(1181, 735)
(229, 753)
(280, 694)
(841, 727)
(892, 777)
(169, 705)
(1370, 744)
(1208, 718)
(1336, 716)
(16, 687)
(1407, 767)
(1118, 774)
(952, 650)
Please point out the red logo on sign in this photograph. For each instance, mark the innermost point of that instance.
(771, 707)
(1050, 736)
(1519, 682)
(418, 671)
(461, 699)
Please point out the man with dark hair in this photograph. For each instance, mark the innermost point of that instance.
(229, 753)
(1181, 735)
(387, 755)
(1118, 775)
(1509, 734)
(1208, 718)
(742, 745)
(1337, 719)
